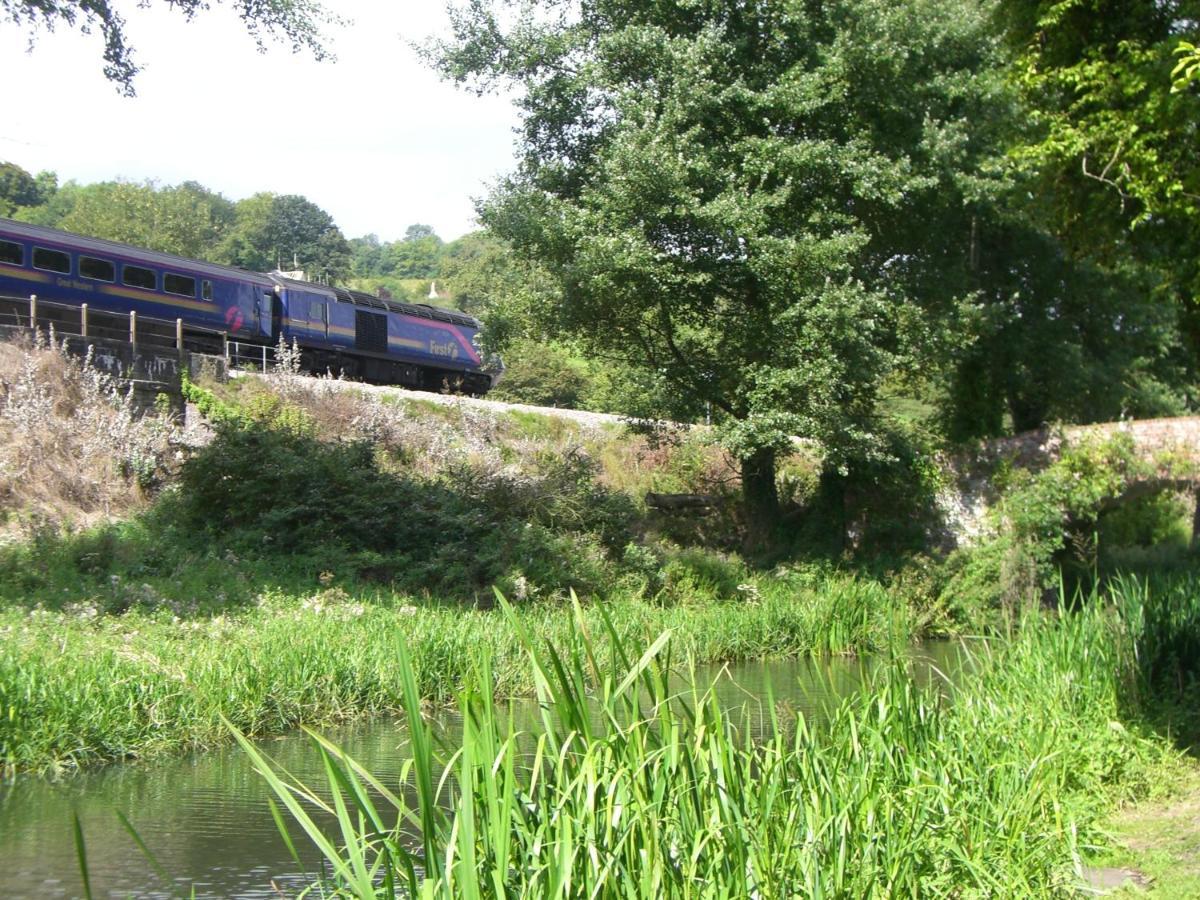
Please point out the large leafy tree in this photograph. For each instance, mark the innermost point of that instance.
(1054, 336)
(366, 256)
(273, 231)
(485, 277)
(417, 256)
(742, 199)
(1111, 159)
(187, 219)
(296, 22)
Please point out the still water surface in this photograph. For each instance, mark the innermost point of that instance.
(206, 818)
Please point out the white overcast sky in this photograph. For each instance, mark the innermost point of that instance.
(375, 139)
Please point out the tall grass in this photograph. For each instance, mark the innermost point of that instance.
(72, 446)
(990, 789)
(79, 687)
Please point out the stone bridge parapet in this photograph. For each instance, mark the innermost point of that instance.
(970, 492)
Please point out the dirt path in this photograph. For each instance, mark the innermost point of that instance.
(1160, 842)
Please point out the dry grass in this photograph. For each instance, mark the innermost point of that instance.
(430, 439)
(73, 449)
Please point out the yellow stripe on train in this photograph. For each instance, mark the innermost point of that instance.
(134, 294)
(24, 274)
(407, 342)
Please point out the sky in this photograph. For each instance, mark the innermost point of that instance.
(375, 138)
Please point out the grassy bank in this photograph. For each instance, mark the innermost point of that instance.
(996, 790)
(78, 686)
(267, 572)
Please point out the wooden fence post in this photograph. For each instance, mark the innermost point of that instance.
(33, 311)
(133, 329)
(225, 346)
(83, 322)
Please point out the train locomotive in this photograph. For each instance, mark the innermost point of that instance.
(349, 333)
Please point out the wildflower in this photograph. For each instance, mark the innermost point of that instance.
(520, 587)
(749, 591)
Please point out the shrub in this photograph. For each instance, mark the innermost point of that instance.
(543, 375)
(269, 489)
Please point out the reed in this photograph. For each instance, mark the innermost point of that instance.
(80, 687)
(989, 787)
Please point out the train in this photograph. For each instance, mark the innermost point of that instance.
(348, 333)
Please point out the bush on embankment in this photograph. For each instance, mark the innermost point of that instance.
(994, 788)
(80, 687)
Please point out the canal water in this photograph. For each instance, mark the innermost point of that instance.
(206, 818)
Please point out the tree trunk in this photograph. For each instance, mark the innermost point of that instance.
(761, 497)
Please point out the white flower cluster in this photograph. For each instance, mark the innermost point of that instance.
(333, 602)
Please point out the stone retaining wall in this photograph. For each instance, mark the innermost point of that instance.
(967, 500)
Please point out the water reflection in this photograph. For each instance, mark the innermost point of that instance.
(206, 817)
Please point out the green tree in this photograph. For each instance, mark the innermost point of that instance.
(57, 202)
(731, 194)
(1055, 337)
(17, 189)
(419, 255)
(485, 277)
(366, 256)
(1111, 166)
(284, 232)
(1113, 140)
(187, 219)
(418, 231)
(296, 22)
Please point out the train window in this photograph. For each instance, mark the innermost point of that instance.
(136, 276)
(98, 269)
(51, 260)
(316, 310)
(12, 253)
(206, 289)
(179, 284)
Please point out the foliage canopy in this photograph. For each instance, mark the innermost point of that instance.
(296, 22)
(732, 196)
(1118, 142)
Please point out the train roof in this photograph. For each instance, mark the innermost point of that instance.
(361, 298)
(100, 245)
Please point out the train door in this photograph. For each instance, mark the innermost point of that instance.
(318, 317)
(268, 312)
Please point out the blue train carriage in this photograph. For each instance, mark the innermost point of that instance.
(384, 341)
(115, 279)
